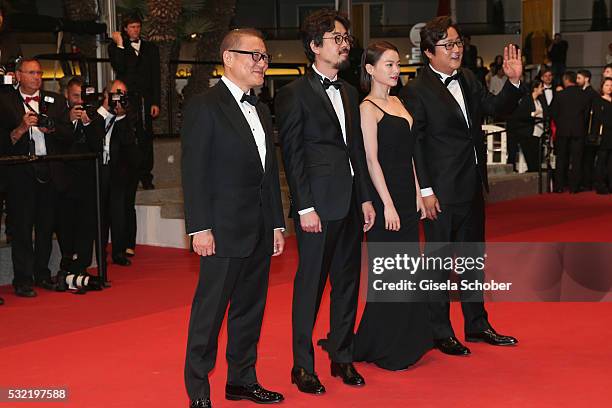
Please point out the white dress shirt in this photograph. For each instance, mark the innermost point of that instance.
(35, 133)
(336, 100)
(107, 137)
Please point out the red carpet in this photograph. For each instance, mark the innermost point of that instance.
(124, 347)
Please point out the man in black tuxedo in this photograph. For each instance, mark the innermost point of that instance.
(114, 126)
(570, 111)
(137, 64)
(447, 105)
(234, 213)
(320, 132)
(76, 226)
(32, 187)
(583, 80)
(546, 76)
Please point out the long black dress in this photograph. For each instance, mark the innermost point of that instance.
(602, 124)
(394, 335)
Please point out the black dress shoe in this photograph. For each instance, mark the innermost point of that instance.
(306, 382)
(121, 261)
(491, 337)
(452, 346)
(1, 301)
(200, 403)
(24, 291)
(348, 373)
(45, 284)
(253, 392)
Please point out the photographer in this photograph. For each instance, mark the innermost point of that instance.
(115, 128)
(76, 226)
(136, 62)
(33, 122)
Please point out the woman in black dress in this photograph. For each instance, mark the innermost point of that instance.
(393, 335)
(601, 124)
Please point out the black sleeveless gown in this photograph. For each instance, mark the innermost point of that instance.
(394, 335)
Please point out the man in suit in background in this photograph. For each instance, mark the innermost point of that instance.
(570, 110)
(583, 80)
(136, 63)
(114, 126)
(546, 76)
(320, 132)
(234, 213)
(26, 129)
(447, 105)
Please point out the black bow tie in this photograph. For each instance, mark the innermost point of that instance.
(452, 78)
(250, 98)
(327, 83)
(135, 41)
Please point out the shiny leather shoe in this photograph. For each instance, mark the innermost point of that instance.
(121, 261)
(201, 403)
(306, 382)
(348, 373)
(1, 301)
(253, 392)
(492, 337)
(46, 284)
(24, 291)
(452, 346)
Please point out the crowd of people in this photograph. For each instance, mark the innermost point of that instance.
(56, 193)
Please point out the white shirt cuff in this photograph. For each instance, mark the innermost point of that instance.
(103, 112)
(426, 192)
(197, 232)
(279, 228)
(306, 210)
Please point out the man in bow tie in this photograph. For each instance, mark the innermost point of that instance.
(447, 105)
(32, 187)
(136, 62)
(320, 132)
(234, 213)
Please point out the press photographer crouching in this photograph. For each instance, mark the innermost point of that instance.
(115, 127)
(32, 122)
(76, 209)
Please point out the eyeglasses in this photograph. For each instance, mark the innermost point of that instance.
(257, 56)
(339, 38)
(32, 72)
(450, 45)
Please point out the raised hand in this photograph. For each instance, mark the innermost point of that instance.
(513, 64)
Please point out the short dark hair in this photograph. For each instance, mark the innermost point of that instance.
(75, 81)
(585, 73)
(232, 38)
(318, 23)
(570, 76)
(544, 70)
(434, 31)
(371, 55)
(130, 19)
(535, 83)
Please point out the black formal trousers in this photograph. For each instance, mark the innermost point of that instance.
(32, 207)
(457, 224)
(588, 166)
(144, 136)
(568, 167)
(112, 205)
(334, 252)
(243, 283)
(530, 146)
(603, 171)
(130, 208)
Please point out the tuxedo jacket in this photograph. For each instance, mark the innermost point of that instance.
(57, 142)
(521, 123)
(543, 100)
(314, 152)
(141, 73)
(225, 187)
(570, 110)
(444, 150)
(123, 148)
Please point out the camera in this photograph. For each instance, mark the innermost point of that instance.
(7, 80)
(91, 100)
(116, 99)
(44, 121)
